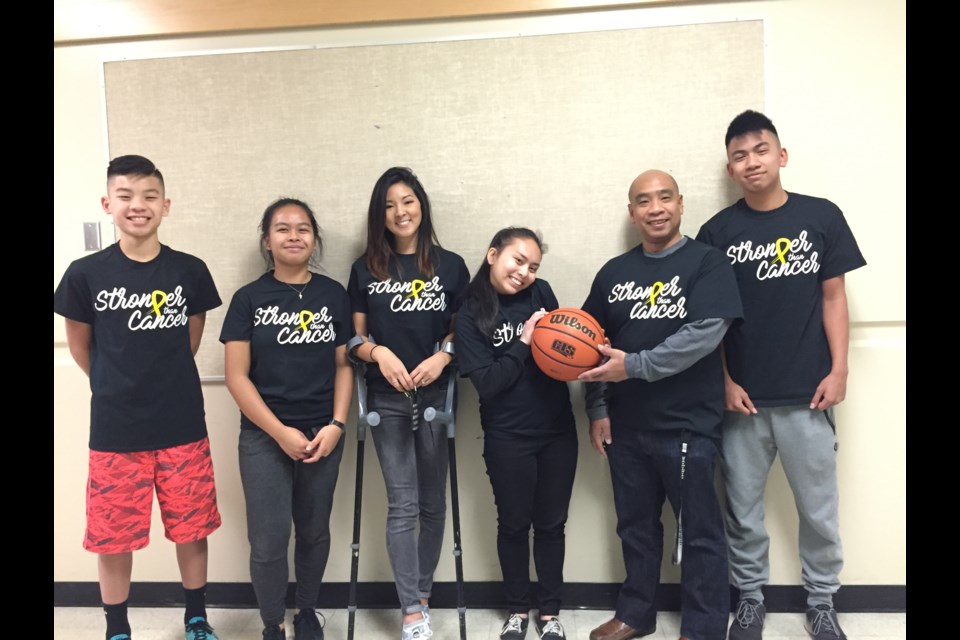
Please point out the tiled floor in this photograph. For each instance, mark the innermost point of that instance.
(482, 624)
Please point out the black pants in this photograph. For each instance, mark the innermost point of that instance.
(532, 481)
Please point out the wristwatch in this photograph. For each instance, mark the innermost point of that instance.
(337, 423)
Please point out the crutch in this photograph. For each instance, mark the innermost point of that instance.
(364, 419)
(448, 417)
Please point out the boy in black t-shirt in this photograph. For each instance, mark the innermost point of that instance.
(665, 306)
(134, 318)
(786, 367)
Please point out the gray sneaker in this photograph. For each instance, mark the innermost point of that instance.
(748, 622)
(822, 623)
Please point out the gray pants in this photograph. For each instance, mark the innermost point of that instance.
(277, 491)
(807, 443)
(414, 465)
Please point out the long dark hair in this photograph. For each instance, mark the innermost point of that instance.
(267, 220)
(381, 244)
(480, 292)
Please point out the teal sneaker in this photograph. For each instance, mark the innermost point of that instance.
(199, 629)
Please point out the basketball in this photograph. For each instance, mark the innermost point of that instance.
(564, 343)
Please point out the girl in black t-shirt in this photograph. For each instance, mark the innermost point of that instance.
(287, 369)
(403, 291)
(530, 442)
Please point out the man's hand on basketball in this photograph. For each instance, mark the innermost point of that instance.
(612, 370)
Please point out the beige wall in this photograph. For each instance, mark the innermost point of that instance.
(835, 85)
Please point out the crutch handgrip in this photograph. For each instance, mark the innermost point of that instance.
(430, 414)
(448, 415)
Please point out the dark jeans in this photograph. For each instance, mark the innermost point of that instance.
(414, 465)
(532, 481)
(645, 468)
(277, 490)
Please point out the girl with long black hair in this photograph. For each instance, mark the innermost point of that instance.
(404, 290)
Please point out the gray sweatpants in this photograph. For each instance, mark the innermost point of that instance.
(278, 490)
(807, 443)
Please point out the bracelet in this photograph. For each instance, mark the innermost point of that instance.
(372, 350)
(337, 423)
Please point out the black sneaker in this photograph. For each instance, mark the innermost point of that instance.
(822, 623)
(306, 625)
(274, 632)
(748, 622)
(515, 628)
(551, 629)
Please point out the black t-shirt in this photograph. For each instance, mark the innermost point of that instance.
(144, 382)
(641, 301)
(516, 398)
(293, 345)
(409, 313)
(779, 353)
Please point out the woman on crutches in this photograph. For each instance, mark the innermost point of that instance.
(530, 440)
(286, 367)
(403, 291)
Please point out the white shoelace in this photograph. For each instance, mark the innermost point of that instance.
(513, 623)
(553, 626)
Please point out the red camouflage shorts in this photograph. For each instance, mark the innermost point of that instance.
(120, 496)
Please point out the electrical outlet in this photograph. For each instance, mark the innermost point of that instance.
(91, 236)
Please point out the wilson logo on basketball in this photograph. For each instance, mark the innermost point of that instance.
(564, 343)
(573, 323)
(563, 348)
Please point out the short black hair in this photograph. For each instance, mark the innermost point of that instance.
(134, 166)
(749, 122)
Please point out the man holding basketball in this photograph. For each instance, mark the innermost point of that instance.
(665, 306)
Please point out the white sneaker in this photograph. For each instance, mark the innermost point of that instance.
(416, 630)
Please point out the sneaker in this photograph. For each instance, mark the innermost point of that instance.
(822, 623)
(515, 628)
(426, 612)
(416, 630)
(306, 625)
(550, 629)
(198, 629)
(274, 632)
(120, 636)
(748, 622)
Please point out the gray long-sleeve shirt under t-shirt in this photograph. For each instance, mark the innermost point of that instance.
(692, 342)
